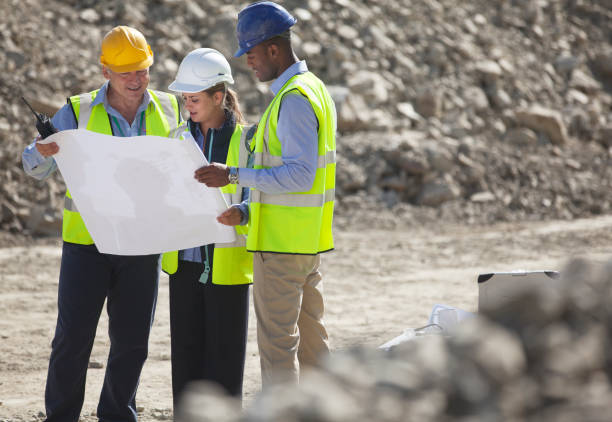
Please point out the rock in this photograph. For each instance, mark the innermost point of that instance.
(482, 197)
(348, 32)
(499, 98)
(435, 193)
(351, 116)
(603, 64)
(311, 49)
(566, 64)
(42, 222)
(314, 5)
(302, 14)
(170, 66)
(536, 355)
(380, 39)
(604, 136)
(580, 80)
(476, 98)
(429, 104)
(575, 96)
(90, 15)
(8, 211)
(396, 183)
(370, 85)
(350, 176)
(194, 9)
(521, 136)
(407, 110)
(206, 402)
(410, 162)
(439, 159)
(580, 124)
(543, 120)
(16, 59)
(490, 71)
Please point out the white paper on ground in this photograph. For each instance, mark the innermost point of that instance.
(137, 195)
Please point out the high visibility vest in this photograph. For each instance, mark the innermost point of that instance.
(159, 121)
(232, 264)
(296, 222)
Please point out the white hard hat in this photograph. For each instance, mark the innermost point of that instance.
(201, 69)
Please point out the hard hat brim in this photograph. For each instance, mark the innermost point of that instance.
(132, 67)
(190, 88)
(241, 51)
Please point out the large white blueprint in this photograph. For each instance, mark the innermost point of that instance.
(137, 195)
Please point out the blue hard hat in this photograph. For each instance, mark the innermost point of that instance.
(259, 22)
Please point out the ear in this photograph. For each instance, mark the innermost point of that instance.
(218, 97)
(105, 72)
(273, 50)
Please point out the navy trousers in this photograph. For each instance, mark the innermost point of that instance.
(129, 285)
(208, 328)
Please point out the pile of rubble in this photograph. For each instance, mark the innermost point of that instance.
(543, 357)
(472, 111)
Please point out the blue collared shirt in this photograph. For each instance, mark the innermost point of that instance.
(297, 132)
(40, 167)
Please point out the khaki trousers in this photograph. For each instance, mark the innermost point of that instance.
(288, 299)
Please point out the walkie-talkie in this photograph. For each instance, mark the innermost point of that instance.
(43, 123)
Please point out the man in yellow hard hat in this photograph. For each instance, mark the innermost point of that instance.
(123, 106)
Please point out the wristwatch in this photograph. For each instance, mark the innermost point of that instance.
(233, 175)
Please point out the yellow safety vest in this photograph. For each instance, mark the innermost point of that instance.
(296, 222)
(232, 264)
(161, 116)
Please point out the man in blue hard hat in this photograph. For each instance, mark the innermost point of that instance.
(292, 195)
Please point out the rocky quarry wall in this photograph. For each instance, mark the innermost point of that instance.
(474, 111)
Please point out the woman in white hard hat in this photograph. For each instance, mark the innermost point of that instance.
(209, 285)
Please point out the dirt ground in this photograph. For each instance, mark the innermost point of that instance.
(377, 283)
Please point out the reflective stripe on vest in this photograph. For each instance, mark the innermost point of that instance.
(268, 160)
(161, 117)
(293, 200)
(295, 222)
(232, 264)
(69, 204)
(237, 147)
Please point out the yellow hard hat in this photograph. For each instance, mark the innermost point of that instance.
(125, 49)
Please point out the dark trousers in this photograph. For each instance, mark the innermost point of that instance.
(208, 327)
(87, 279)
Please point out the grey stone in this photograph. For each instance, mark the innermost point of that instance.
(521, 136)
(543, 120)
(439, 159)
(90, 15)
(435, 193)
(603, 63)
(483, 197)
(429, 104)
